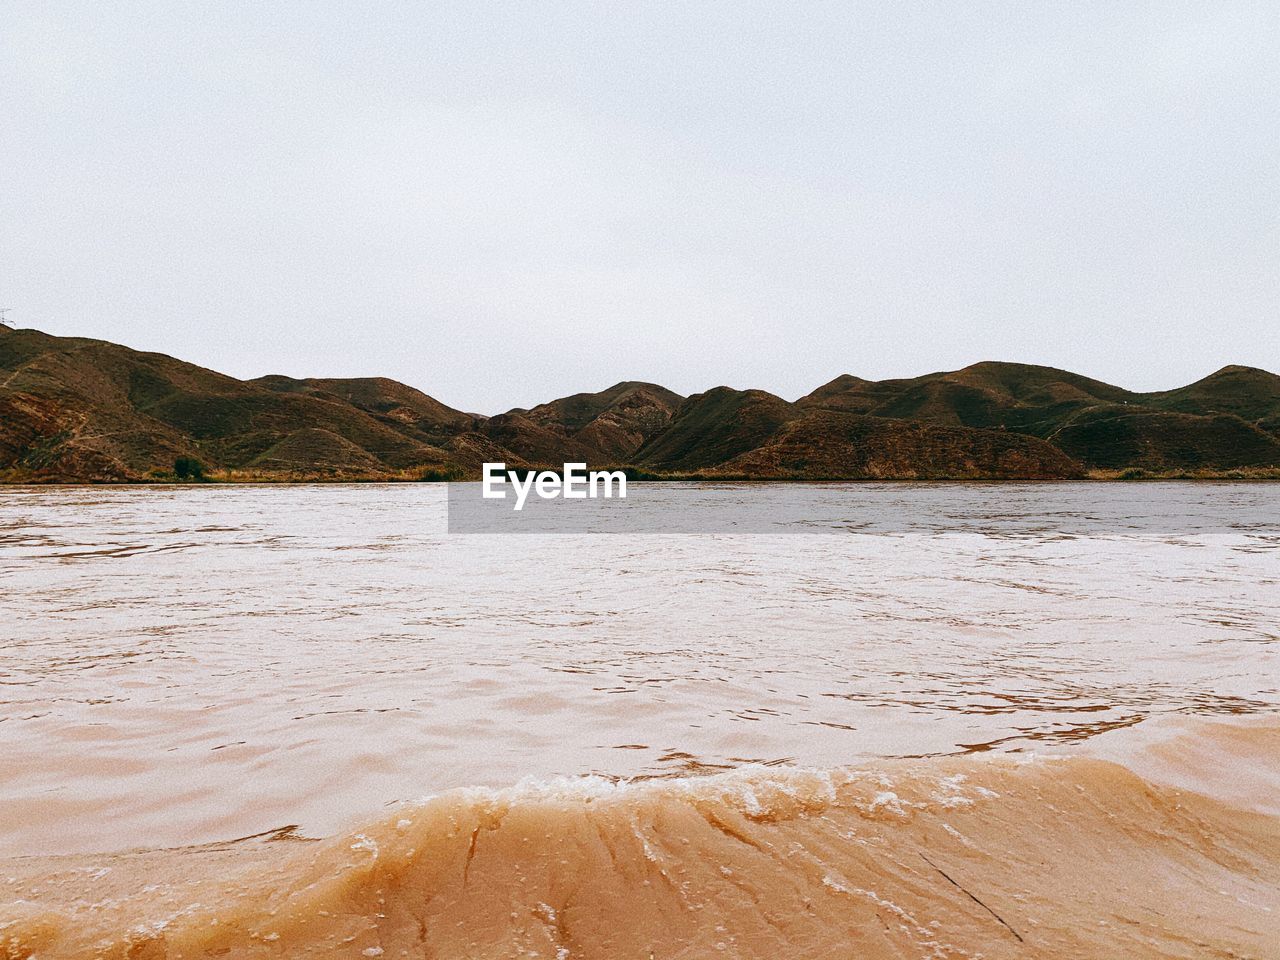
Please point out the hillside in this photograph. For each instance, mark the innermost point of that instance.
(1251, 394)
(713, 427)
(831, 445)
(614, 423)
(599, 428)
(751, 433)
(1227, 421)
(77, 409)
(389, 402)
(1017, 396)
(81, 410)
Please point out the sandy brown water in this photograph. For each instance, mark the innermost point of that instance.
(853, 745)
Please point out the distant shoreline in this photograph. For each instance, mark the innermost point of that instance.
(77, 410)
(1270, 476)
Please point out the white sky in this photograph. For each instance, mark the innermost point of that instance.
(501, 203)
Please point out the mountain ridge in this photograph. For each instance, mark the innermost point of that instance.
(75, 409)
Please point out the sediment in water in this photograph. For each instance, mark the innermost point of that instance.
(964, 857)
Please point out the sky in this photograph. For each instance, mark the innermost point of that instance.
(502, 203)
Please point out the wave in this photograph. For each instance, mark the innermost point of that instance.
(958, 857)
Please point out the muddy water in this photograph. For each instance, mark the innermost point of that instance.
(912, 735)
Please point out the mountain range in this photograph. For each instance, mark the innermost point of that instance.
(81, 410)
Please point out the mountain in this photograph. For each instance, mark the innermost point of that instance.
(597, 428)
(389, 402)
(1226, 421)
(75, 409)
(536, 443)
(752, 433)
(1012, 396)
(1124, 437)
(613, 423)
(710, 428)
(831, 445)
(1251, 394)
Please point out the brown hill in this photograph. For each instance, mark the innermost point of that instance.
(596, 428)
(1127, 437)
(91, 410)
(612, 424)
(832, 445)
(534, 443)
(1012, 396)
(1095, 423)
(714, 427)
(88, 410)
(390, 402)
(1251, 394)
(756, 434)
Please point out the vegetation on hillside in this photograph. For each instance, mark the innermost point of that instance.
(73, 409)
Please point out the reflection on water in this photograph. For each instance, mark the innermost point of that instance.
(195, 664)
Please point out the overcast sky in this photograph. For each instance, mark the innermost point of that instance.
(501, 203)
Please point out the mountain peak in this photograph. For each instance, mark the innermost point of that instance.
(1236, 369)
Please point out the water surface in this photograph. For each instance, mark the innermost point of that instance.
(184, 665)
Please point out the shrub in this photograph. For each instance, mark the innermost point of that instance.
(446, 474)
(188, 468)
